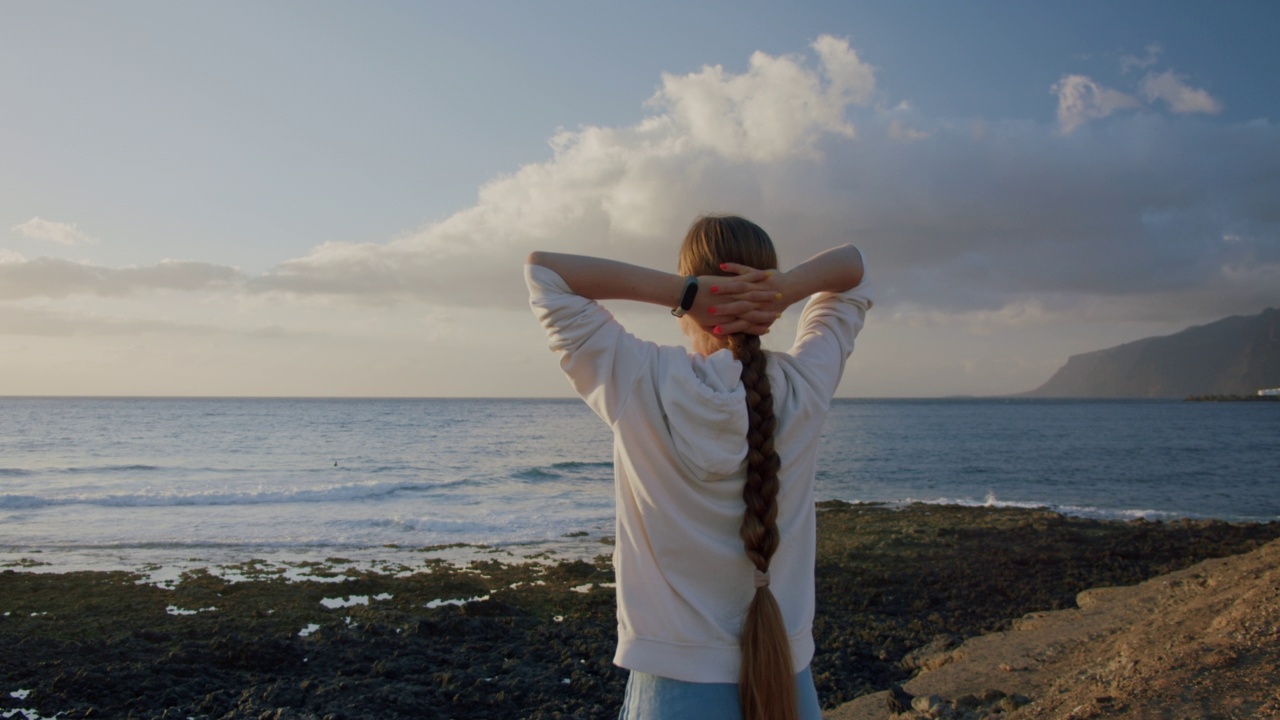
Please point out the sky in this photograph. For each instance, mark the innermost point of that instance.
(336, 199)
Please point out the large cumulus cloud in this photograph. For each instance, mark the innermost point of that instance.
(1149, 205)
(718, 141)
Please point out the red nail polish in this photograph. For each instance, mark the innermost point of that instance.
(711, 310)
(715, 289)
(717, 330)
(724, 266)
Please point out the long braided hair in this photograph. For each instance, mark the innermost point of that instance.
(766, 683)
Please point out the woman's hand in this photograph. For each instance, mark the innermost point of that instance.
(748, 301)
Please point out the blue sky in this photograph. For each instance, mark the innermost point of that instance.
(334, 198)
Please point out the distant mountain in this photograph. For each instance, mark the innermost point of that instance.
(1233, 356)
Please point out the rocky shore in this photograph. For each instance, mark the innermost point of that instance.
(1201, 643)
(491, 640)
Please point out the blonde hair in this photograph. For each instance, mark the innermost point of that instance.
(766, 681)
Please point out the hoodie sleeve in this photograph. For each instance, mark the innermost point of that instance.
(825, 336)
(603, 361)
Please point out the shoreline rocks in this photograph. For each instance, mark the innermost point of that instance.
(898, 589)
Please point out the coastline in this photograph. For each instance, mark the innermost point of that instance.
(507, 640)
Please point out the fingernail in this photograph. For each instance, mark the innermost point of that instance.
(715, 289)
(777, 296)
(711, 310)
(724, 266)
(778, 316)
(717, 330)
(768, 275)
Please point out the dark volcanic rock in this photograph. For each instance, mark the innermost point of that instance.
(890, 582)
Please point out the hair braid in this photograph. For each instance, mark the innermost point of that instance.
(766, 684)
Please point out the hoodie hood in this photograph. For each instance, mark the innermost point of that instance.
(705, 408)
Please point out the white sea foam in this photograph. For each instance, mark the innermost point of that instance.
(991, 501)
(352, 601)
(175, 610)
(457, 601)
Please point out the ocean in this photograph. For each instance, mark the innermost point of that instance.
(130, 483)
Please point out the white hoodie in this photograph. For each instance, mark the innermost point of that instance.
(679, 455)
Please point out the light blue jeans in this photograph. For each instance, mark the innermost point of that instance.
(651, 697)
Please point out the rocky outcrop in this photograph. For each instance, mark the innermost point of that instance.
(1199, 643)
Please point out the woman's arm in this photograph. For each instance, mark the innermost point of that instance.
(835, 270)
(739, 303)
(601, 279)
(748, 301)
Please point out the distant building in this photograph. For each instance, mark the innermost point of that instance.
(1269, 392)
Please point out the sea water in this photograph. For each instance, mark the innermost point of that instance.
(123, 482)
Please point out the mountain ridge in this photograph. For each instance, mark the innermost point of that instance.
(1237, 355)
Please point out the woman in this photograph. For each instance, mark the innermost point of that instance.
(713, 461)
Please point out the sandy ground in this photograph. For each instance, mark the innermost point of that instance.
(1203, 642)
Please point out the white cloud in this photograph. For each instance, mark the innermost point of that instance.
(61, 233)
(1031, 235)
(1080, 99)
(1180, 97)
(998, 224)
(777, 109)
(1012, 220)
(715, 141)
(56, 278)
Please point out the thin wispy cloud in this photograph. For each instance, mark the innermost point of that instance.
(43, 322)
(900, 131)
(1150, 56)
(58, 278)
(1181, 98)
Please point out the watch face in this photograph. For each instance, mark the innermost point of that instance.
(690, 292)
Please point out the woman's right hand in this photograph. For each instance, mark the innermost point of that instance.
(748, 301)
